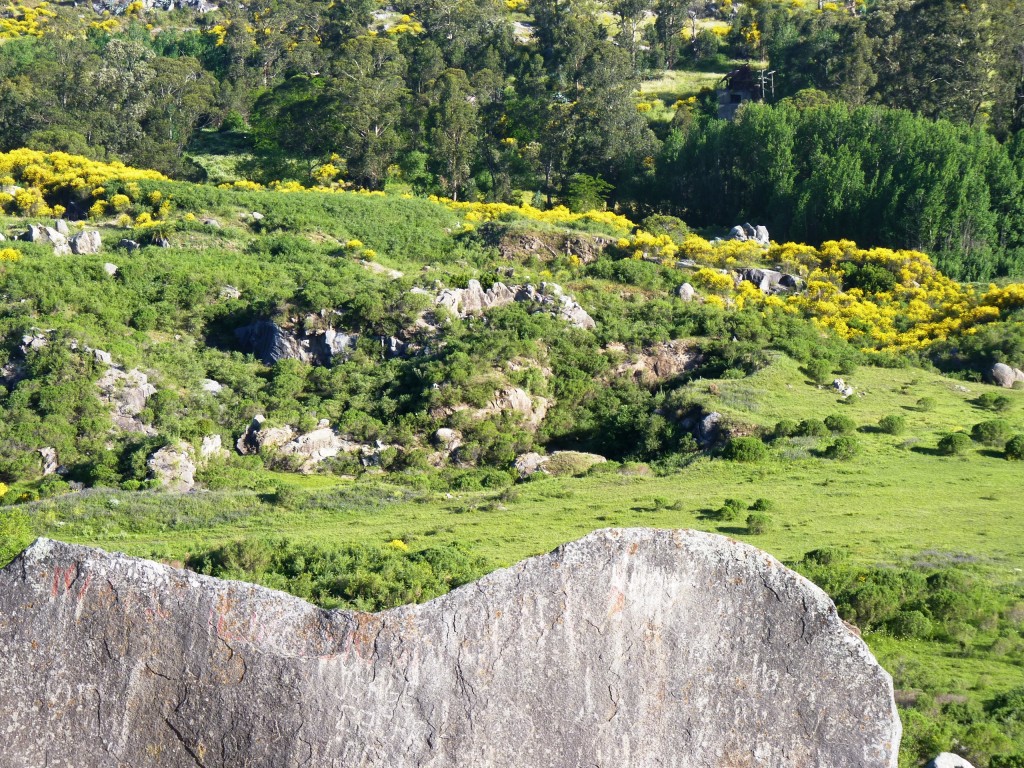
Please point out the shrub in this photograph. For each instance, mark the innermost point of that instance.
(746, 449)
(841, 424)
(1015, 448)
(784, 428)
(812, 428)
(843, 448)
(825, 556)
(955, 444)
(759, 523)
(819, 371)
(763, 505)
(926, 404)
(892, 424)
(991, 401)
(994, 432)
(911, 624)
(732, 509)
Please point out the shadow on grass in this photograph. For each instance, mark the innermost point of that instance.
(733, 530)
(992, 453)
(928, 451)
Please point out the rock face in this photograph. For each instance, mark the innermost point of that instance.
(769, 280)
(269, 342)
(174, 467)
(474, 299)
(1004, 376)
(126, 392)
(628, 648)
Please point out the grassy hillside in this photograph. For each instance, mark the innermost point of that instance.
(918, 545)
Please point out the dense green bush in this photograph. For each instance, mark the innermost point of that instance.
(911, 624)
(731, 509)
(992, 401)
(1015, 448)
(840, 423)
(784, 428)
(926, 403)
(893, 424)
(955, 443)
(994, 432)
(820, 371)
(746, 449)
(843, 448)
(763, 505)
(812, 428)
(759, 523)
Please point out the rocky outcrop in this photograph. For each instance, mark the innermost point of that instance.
(47, 236)
(558, 463)
(270, 342)
(550, 297)
(50, 463)
(745, 232)
(119, 6)
(126, 393)
(844, 389)
(659, 362)
(769, 280)
(87, 241)
(628, 648)
(1003, 375)
(174, 467)
(686, 292)
(518, 400)
(257, 436)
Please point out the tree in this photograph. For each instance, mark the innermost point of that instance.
(454, 124)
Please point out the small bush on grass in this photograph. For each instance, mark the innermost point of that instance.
(843, 449)
(1015, 448)
(759, 523)
(926, 404)
(893, 424)
(812, 428)
(994, 432)
(819, 371)
(746, 449)
(955, 444)
(732, 509)
(840, 424)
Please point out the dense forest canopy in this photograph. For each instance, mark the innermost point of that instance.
(488, 99)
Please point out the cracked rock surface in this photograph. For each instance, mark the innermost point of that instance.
(633, 647)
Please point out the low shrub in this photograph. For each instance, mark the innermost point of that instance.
(992, 401)
(784, 428)
(759, 523)
(746, 449)
(819, 371)
(732, 509)
(812, 428)
(1015, 448)
(843, 448)
(994, 432)
(893, 424)
(955, 444)
(926, 404)
(763, 505)
(840, 424)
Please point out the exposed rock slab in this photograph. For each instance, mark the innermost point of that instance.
(626, 648)
(474, 299)
(1004, 376)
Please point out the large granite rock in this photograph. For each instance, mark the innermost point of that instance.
(948, 760)
(174, 467)
(1004, 376)
(626, 648)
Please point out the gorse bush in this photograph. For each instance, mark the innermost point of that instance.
(840, 423)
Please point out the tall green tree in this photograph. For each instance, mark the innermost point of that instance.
(454, 123)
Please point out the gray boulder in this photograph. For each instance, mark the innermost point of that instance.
(761, 235)
(47, 236)
(767, 280)
(126, 392)
(62, 226)
(212, 387)
(87, 241)
(258, 436)
(473, 299)
(628, 648)
(686, 292)
(110, 269)
(50, 463)
(211, 447)
(128, 245)
(447, 439)
(709, 429)
(738, 233)
(527, 464)
(174, 467)
(1004, 376)
(948, 760)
